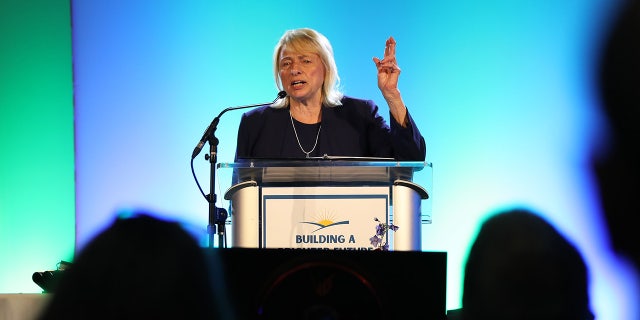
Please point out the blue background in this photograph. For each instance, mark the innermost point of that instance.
(501, 90)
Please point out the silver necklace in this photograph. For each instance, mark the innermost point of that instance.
(298, 139)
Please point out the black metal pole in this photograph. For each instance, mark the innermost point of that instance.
(217, 216)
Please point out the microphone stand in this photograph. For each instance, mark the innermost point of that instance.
(218, 216)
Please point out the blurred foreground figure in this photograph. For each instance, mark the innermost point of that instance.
(520, 267)
(617, 170)
(139, 268)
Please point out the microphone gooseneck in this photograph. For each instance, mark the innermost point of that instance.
(214, 124)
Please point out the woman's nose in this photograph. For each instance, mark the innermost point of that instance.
(295, 70)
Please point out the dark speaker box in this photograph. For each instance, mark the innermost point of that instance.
(334, 284)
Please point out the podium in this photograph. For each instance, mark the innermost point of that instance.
(325, 203)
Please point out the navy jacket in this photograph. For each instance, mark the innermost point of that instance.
(353, 129)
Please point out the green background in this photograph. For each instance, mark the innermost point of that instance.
(36, 140)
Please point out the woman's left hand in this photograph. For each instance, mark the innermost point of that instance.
(388, 71)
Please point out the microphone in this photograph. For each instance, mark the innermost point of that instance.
(214, 124)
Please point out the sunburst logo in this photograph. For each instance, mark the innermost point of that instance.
(325, 220)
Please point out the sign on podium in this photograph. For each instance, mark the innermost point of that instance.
(328, 203)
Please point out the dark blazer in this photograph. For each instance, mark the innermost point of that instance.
(353, 129)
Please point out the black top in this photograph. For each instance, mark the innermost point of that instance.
(353, 129)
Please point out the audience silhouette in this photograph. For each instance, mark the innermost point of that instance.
(521, 267)
(617, 169)
(140, 267)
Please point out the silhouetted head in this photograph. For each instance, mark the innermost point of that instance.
(521, 267)
(140, 267)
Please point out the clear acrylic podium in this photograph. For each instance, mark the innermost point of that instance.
(325, 203)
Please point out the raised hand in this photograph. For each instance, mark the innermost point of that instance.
(388, 74)
(388, 70)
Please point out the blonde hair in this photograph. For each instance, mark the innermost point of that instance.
(309, 40)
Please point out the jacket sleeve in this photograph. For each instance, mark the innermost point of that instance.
(243, 138)
(408, 143)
